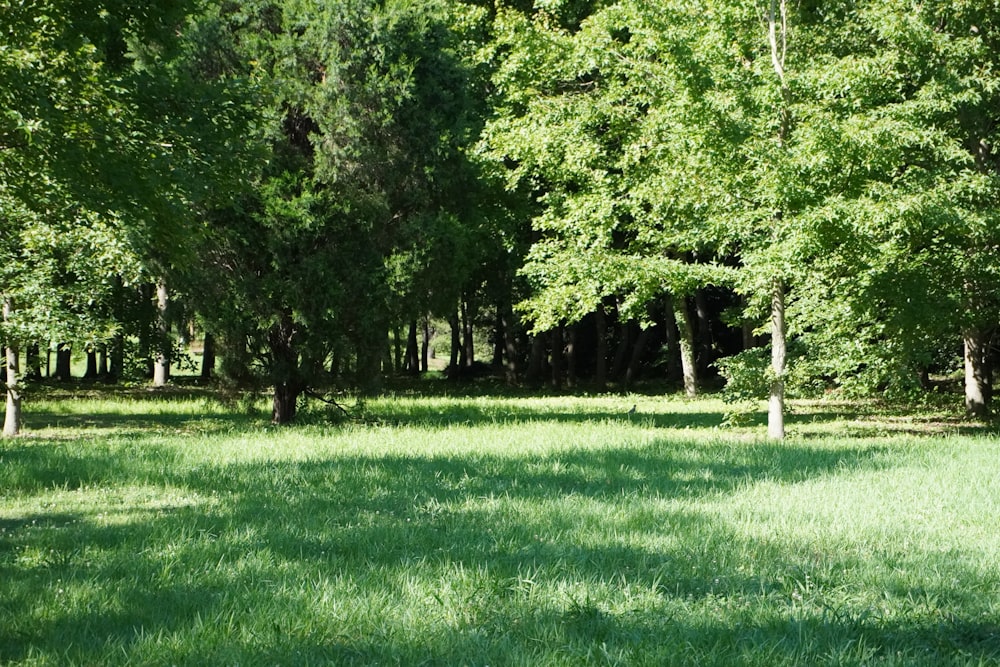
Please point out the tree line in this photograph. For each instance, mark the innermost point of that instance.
(799, 196)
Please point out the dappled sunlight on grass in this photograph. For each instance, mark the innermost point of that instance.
(529, 530)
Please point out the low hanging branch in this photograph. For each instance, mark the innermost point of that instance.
(329, 401)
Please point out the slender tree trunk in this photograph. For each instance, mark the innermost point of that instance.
(12, 417)
(571, 355)
(425, 346)
(601, 367)
(457, 357)
(498, 338)
(510, 346)
(671, 329)
(398, 360)
(33, 367)
(208, 357)
(116, 358)
(102, 361)
(703, 337)
(976, 380)
(624, 347)
(685, 341)
(557, 356)
(161, 362)
(778, 40)
(412, 350)
(635, 359)
(536, 363)
(284, 360)
(776, 401)
(468, 342)
(336, 362)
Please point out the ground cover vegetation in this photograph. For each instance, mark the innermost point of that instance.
(514, 529)
(799, 196)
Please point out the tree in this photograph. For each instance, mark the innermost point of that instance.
(586, 129)
(103, 152)
(369, 112)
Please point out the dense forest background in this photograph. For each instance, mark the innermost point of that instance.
(801, 197)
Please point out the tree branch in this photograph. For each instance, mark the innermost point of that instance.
(329, 401)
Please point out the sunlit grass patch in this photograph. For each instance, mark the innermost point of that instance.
(523, 530)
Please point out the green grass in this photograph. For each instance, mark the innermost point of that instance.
(495, 531)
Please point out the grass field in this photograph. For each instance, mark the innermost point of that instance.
(495, 531)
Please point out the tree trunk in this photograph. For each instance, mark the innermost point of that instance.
(498, 338)
(161, 361)
(117, 355)
(468, 341)
(208, 357)
(12, 417)
(510, 346)
(670, 333)
(685, 341)
(33, 368)
(286, 397)
(976, 380)
(703, 337)
(370, 352)
(571, 355)
(601, 367)
(102, 361)
(638, 350)
(425, 346)
(776, 401)
(335, 364)
(624, 347)
(457, 357)
(64, 359)
(412, 350)
(91, 372)
(557, 357)
(398, 362)
(284, 368)
(536, 363)
(777, 20)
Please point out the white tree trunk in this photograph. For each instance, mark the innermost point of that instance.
(161, 365)
(976, 385)
(685, 337)
(777, 34)
(12, 416)
(776, 401)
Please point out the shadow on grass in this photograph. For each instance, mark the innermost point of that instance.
(461, 405)
(595, 557)
(142, 423)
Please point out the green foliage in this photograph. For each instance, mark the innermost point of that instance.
(747, 376)
(577, 129)
(107, 143)
(368, 197)
(861, 177)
